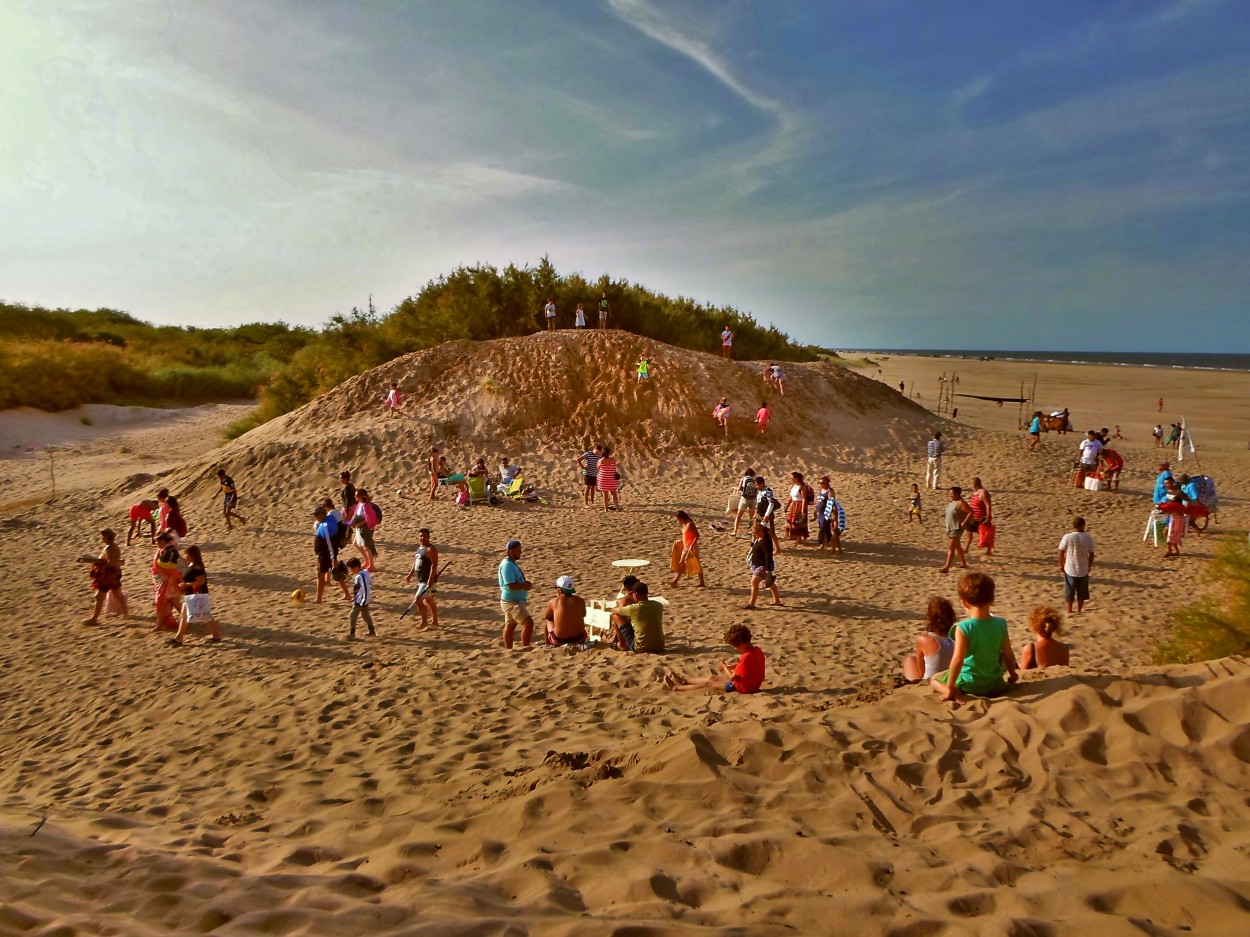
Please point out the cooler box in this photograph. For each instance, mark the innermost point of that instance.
(1093, 484)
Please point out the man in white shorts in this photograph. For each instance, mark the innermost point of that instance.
(514, 590)
(550, 311)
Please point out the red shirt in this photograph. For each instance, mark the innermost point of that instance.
(749, 674)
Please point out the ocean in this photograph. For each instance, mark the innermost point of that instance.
(1202, 362)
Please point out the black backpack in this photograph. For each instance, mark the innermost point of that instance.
(747, 487)
(378, 508)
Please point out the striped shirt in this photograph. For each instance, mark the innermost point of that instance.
(591, 463)
(935, 448)
(362, 589)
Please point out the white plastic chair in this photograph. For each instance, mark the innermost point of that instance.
(1152, 526)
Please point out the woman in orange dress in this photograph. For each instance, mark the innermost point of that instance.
(685, 559)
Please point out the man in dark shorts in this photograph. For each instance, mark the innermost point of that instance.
(230, 499)
(324, 530)
(566, 615)
(588, 462)
(638, 627)
(603, 312)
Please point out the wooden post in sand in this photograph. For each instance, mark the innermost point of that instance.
(52, 469)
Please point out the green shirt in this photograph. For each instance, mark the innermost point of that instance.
(982, 672)
(648, 621)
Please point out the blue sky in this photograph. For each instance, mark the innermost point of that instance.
(1015, 175)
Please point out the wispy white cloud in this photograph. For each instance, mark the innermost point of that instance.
(968, 93)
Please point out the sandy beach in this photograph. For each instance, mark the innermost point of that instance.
(430, 782)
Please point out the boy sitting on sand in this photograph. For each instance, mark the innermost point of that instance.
(746, 677)
(982, 646)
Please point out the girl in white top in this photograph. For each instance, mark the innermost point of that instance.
(934, 647)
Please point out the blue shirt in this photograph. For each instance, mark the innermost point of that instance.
(509, 572)
(1036, 426)
(1161, 490)
(1191, 490)
(327, 528)
(935, 448)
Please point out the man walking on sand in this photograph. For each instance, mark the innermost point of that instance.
(514, 590)
(957, 513)
(1076, 557)
(933, 467)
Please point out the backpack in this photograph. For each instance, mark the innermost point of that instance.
(761, 506)
(747, 488)
(377, 509)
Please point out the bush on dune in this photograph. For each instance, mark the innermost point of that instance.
(1219, 624)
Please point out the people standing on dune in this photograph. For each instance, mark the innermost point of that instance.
(766, 508)
(1035, 429)
(229, 499)
(1157, 433)
(174, 521)
(763, 416)
(835, 517)
(549, 311)
(326, 540)
(603, 312)
(685, 554)
(608, 480)
(801, 496)
(588, 462)
(579, 317)
(106, 576)
(1160, 404)
(824, 532)
(914, 506)
(142, 513)
(727, 343)
(644, 369)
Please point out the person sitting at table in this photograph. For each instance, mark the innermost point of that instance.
(566, 615)
(639, 626)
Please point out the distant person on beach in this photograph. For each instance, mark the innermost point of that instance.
(588, 462)
(957, 514)
(1076, 559)
(835, 517)
(362, 595)
(746, 497)
(727, 343)
(549, 311)
(1035, 429)
(1112, 466)
(197, 604)
(1160, 404)
(824, 525)
(933, 464)
(935, 646)
(747, 676)
(1174, 436)
(608, 480)
(348, 495)
(1174, 505)
(1045, 650)
(566, 615)
(432, 465)
(763, 416)
(638, 626)
(980, 511)
(1157, 433)
(106, 576)
(579, 317)
(142, 513)
(763, 565)
(603, 312)
(914, 507)
(229, 499)
(685, 553)
(1160, 490)
(902, 387)
(394, 401)
(982, 655)
(1117, 434)
(425, 569)
(514, 590)
(720, 413)
(1088, 453)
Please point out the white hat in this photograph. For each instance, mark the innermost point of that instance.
(566, 584)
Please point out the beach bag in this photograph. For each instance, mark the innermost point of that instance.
(377, 509)
(985, 535)
(462, 499)
(199, 607)
(1206, 492)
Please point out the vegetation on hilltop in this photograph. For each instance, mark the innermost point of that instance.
(111, 357)
(1217, 625)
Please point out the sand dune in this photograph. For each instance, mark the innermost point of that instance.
(432, 783)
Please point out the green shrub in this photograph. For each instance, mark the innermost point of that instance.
(1217, 625)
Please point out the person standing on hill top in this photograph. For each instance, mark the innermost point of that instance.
(230, 499)
(603, 312)
(644, 369)
(727, 343)
(933, 467)
(549, 311)
(579, 317)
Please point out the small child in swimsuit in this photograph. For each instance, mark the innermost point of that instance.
(1045, 650)
(914, 509)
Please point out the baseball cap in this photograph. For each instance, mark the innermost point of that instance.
(566, 584)
(512, 545)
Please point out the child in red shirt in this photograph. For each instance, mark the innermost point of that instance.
(746, 677)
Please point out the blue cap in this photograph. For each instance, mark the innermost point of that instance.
(512, 545)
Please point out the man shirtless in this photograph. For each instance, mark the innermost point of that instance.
(433, 466)
(566, 615)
